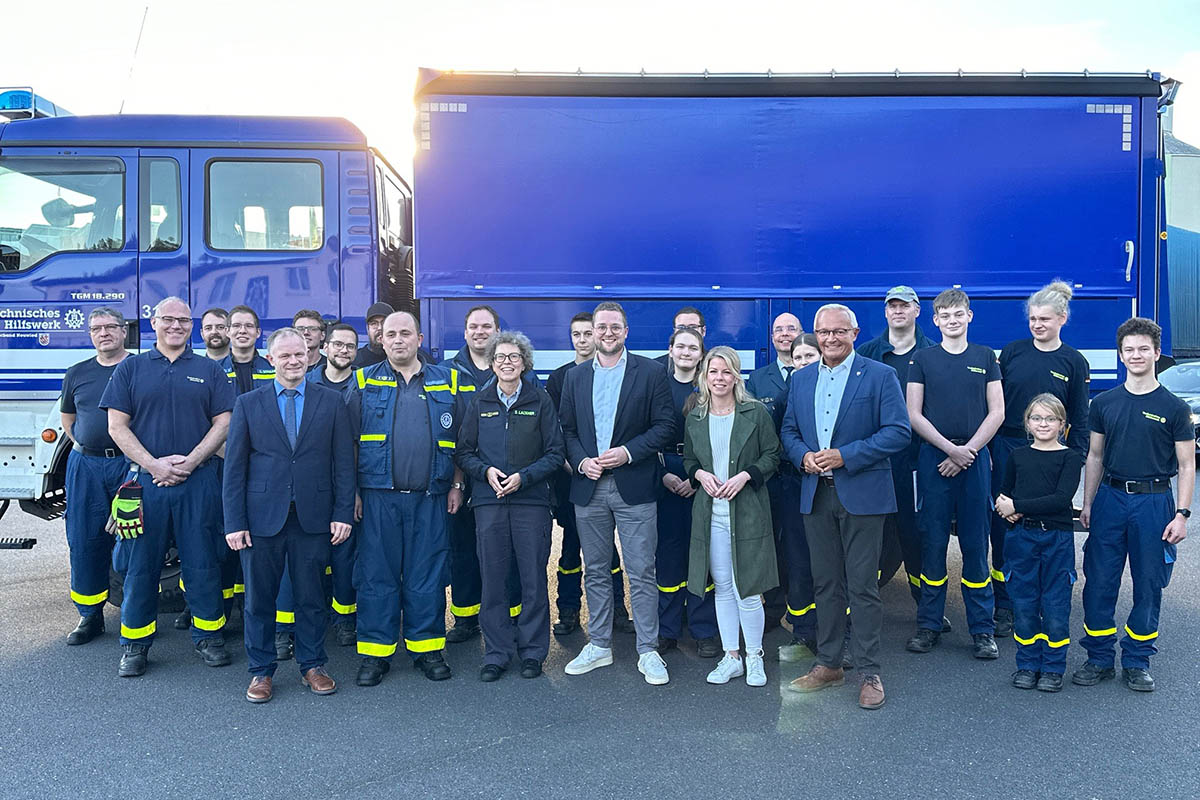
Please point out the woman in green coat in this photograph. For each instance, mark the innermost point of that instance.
(729, 450)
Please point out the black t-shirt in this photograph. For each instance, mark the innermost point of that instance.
(83, 385)
(899, 363)
(1140, 432)
(955, 387)
(365, 357)
(242, 376)
(1029, 372)
(1042, 484)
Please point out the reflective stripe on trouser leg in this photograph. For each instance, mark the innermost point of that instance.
(1000, 448)
(426, 573)
(937, 508)
(341, 560)
(91, 483)
(285, 604)
(1104, 554)
(1058, 579)
(570, 560)
(671, 561)
(378, 570)
(1151, 561)
(196, 518)
(464, 565)
(1041, 572)
(801, 593)
(973, 508)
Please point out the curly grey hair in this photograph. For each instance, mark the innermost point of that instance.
(516, 338)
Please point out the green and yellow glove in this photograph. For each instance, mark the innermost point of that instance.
(126, 520)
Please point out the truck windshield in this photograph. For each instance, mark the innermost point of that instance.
(59, 204)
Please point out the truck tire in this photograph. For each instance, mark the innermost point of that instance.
(170, 597)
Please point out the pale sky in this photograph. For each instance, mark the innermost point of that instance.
(358, 59)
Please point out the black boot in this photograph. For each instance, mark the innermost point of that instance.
(89, 628)
(464, 629)
(568, 622)
(285, 646)
(372, 671)
(433, 665)
(133, 660)
(213, 652)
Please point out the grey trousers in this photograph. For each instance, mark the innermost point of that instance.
(845, 564)
(637, 526)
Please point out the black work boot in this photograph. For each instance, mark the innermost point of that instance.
(1138, 679)
(372, 671)
(985, 646)
(1003, 617)
(568, 622)
(1026, 679)
(464, 629)
(89, 628)
(213, 652)
(1090, 674)
(923, 641)
(346, 632)
(133, 660)
(184, 620)
(433, 665)
(1050, 682)
(285, 646)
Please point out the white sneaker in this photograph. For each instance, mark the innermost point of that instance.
(755, 674)
(729, 667)
(590, 657)
(654, 668)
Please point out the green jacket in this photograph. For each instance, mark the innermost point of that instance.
(754, 448)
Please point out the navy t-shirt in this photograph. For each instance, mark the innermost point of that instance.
(1029, 372)
(955, 387)
(83, 386)
(170, 404)
(1140, 432)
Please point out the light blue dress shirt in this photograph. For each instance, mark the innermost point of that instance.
(606, 391)
(831, 385)
(281, 399)
(506, 399)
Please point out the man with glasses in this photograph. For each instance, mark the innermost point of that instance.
(95, 469)
(214, 330)
(688, 317)
(168, 411)
(312, 328)
(373, 352)
(244, 366)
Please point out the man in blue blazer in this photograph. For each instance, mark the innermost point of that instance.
(288, 495)
(617, 416)
(844, 420)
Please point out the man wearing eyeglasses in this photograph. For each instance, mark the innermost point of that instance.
(244, 365)
(95, 469)
(214, 330)
(688, 317)
(168, 411)
(312, 327)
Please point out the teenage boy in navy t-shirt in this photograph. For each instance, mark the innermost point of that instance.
(955, 404)
(1141, 438)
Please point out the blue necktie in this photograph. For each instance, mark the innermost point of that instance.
(289, 416)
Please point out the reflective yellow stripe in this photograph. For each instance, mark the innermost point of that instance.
(616, 570)
(914, 580)
(878, 574)
(1033, 639)
(453, 380)
(932, 583)
(1043, 637)
(377, 650)
(329, 570)
(180, 585)
(239, 588)
(138, 633)
(341, 608)
(230, 374)
(209, 624)
(672, 588)
(360, 377)
(464, 611)
(435, 387)
(710, 587)
(445, 443)
(997, 575)
(514, 611)
(1140, 637)
(425, 645)
(286, 617)
(379, 382)
(1101, 632)
(1062, 643)
(847, 611)
(89, 599)
(466, 387)
(803, 611)
(974, 585)
(263, 376)
(562, 571)
(227, 593)
(372, 437)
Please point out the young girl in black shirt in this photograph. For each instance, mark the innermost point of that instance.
(1039, 551)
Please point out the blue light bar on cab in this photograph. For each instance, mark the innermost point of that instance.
(22, 103)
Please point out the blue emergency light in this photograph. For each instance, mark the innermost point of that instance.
(24, 104)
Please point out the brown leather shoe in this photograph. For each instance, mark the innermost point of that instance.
(871, 696)
(818, 678)
(318, 680)
(260, 689)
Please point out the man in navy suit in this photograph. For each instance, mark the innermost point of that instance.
(289, 494)
(844, 421)
(617, 415)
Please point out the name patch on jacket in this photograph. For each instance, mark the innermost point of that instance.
(447, 420)
(525, 412)
(487, 414)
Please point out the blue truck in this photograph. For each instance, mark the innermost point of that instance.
(540, 194)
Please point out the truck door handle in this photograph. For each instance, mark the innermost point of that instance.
(1129, 250)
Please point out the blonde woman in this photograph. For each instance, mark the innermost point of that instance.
(730, 449)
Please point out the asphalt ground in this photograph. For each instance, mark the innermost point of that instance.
(953, 727)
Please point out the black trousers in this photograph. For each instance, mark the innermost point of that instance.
(306, 555)
(507, 533)
(845, 564)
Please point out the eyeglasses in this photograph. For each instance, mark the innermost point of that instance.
(786, 329)
(243, 326)
(308, 328)
(110, 328)
(617, 328)
(341, 345)
(833, 333)
(1040, 420)
(169, 321)
(512, 358)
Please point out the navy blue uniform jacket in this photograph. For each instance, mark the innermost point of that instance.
(644, 425)
(872, 424)
(262, 474)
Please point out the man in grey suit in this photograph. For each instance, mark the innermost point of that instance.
(844, 420)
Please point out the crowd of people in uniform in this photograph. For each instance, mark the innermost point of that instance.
(331, 485)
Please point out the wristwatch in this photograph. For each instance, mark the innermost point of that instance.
(1186, 513)
(462, 487)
